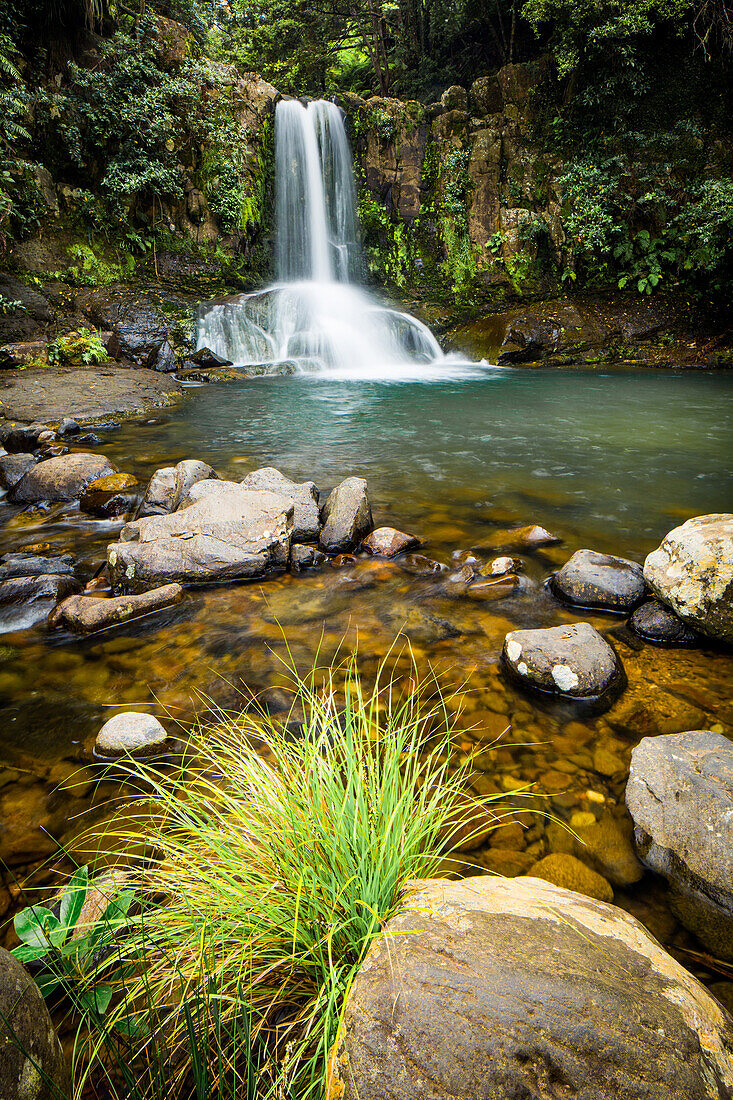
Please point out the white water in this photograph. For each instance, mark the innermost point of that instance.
(315, 317)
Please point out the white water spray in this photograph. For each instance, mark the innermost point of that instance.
(314, 316)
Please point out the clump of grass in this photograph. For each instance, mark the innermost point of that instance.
(267, 863)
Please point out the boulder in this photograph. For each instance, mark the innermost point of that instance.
(130, 733)
(13, 468)
(655, 623)
(220, 532)
(32, 1063)
(34, 565)
(305, 557)
(171, 484)
(589, 579)
(85, 614)
(680, 796)
(692, 572)
(387, 542)
(347, 516)
(25, 601)
(62, 478)
(570, 660)
(306, 519)
(496, 989)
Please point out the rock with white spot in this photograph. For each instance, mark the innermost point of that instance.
(495, 989)
(130, 733)
(692, 572)
(565, 660)
(680, 796)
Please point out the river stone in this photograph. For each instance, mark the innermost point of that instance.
(347, 516)
(680, 796)
(492, 989)
(84, 614)
(32, 1063)
(62, 478)
(388, 542)
(573, 660)
(13, 468)
(692, 572)
(221, 532)
(655, 623)
(131, 732)
(306, 519)
(589, 579)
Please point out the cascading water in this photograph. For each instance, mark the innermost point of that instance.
(314, 316)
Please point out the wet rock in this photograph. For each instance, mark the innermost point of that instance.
(347, 516)
(34, 565)
(421, 566)
(692, 572)
(589, 579)
(84, 614)
(61, 478)
(32, 1063)
(130, 733)
(680, 796)
(221, 532)
(565, 870)
(306, 519)
(305, 557)
(25, 601)
(657, 624)
(13, 468)
(489, 989)
(388, 542)
(565, 660)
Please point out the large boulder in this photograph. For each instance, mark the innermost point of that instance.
(306, 519)
(590, 579)
(692, 572)
(496, 989)
(570, 660)
(62, 478)
(680, 796)
(220, 532)
(32, 1063)
(347, 516)
(85, 614)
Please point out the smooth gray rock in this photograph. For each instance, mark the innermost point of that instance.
(134, 733)
(220, 532)
(32, 1063)
(692, 572)
(659, 625)
(306, 519)
(572, 660)
(13, 468)
(63, 478)
(589, 579)
(680, 796)
(85, 614)
(501, 989)
(347, 516)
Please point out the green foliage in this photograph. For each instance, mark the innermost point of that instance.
(76, 349)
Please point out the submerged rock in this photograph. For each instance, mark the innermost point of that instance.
(63, 478)
(134, 733)
(221, 532)
(680, 796)
(388, 542)
(492, 989)
(656, 623)
(85, 614)
(692, 572)
(347, 516)
(306, 519)
(32, 1063)
(589, 579)
(570, 660)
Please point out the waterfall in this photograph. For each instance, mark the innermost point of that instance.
(315, 317)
